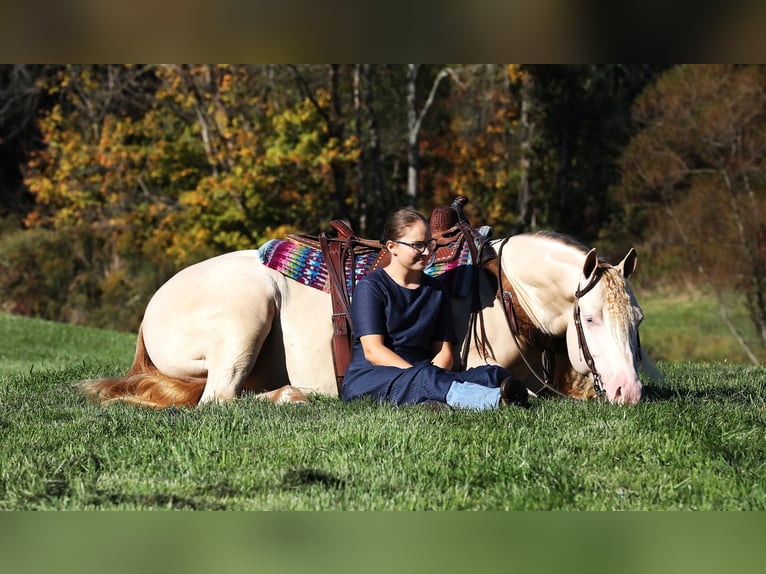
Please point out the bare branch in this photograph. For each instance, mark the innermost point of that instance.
(443, 73)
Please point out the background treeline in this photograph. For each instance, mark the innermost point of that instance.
(112, 177)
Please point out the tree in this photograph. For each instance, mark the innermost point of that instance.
(152, 167)
(701, 157)
(20, 99)
(369, 168)
(484, 154)
(581, 115)
(415, 118)
(158, 167)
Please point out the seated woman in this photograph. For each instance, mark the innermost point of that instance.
(403, 335)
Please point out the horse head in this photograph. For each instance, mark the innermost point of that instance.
(602, 333)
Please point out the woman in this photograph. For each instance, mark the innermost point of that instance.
(403, 334)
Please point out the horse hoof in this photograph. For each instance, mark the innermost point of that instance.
(288, 394)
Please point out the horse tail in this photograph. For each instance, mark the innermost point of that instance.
(144, 385)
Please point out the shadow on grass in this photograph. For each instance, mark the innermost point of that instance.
(299, 477)
(158, 500)
(661, 392)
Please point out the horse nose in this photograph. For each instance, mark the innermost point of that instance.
(630, 394)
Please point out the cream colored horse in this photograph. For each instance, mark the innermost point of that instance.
(230, 325)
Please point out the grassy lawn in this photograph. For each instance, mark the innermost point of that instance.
(33, 345)
(687, 326)
(696, 442)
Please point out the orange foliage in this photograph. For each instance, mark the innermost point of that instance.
(205, 168)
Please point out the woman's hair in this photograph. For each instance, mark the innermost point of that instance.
(399, 222)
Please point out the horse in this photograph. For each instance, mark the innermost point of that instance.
(231, 325)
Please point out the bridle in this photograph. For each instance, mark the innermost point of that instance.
(549, 345)
(582, 342)
(512, 311)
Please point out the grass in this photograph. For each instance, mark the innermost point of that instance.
(687, 326)
(696, 442)
(34, 344)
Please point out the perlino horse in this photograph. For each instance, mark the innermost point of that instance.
(231, 324)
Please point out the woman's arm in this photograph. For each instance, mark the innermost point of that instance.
(443, 356)
(380, 355)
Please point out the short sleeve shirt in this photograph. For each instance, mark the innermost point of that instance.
(410, 320)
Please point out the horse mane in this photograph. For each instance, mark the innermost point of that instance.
(620, 301)
(536, 307)
(619, 294)
(562, 238)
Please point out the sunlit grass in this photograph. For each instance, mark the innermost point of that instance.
(695, 442)
(28, 345)
(687, 326)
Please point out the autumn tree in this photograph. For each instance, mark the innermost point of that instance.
(484, 154)
(143, 169)
(164, 165)
(700, 156)
(416, 113)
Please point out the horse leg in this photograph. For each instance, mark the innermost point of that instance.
(210, 322)
(286, 394)
(229, 363)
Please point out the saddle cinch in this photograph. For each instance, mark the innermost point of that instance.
(448, 226)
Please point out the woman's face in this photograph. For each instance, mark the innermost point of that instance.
(406, 250)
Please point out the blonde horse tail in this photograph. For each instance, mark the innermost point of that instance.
(144, 385)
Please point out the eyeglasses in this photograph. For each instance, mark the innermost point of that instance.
(420, 246)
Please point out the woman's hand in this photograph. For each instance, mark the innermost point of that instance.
(443, 356)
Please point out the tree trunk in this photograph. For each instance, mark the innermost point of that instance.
(413, 127)
(361, 164)
(372, 204)
(414, 123)
(527, 128)
(336, 129)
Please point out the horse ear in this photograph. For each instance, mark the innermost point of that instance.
(628, 265)
(591, 262)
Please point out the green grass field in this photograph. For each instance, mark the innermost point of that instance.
(687, 326)
(696, 442)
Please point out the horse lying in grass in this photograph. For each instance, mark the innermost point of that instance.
(231, 325)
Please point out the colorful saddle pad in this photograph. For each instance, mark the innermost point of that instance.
(306, 265)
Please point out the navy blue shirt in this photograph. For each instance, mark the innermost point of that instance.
(410, 320)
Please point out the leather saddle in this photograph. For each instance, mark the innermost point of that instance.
(448, 226)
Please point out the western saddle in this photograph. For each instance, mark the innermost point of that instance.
(449, 227)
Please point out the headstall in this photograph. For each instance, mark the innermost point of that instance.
(549, 345)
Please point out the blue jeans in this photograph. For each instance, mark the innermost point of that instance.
(473, 396)
(423, 382)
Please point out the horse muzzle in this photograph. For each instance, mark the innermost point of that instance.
(628, 393)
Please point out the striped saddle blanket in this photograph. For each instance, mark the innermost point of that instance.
(306, 265)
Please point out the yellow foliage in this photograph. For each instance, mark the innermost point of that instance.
(181, 188)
